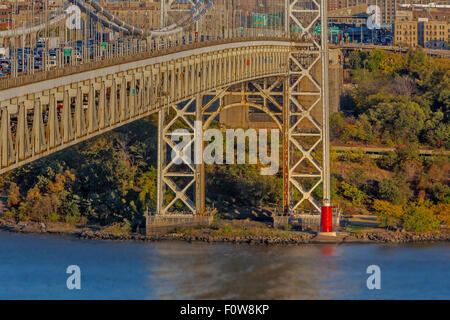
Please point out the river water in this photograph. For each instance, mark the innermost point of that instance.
(34, 267)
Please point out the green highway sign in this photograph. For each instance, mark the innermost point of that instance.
(260, 20)
(331, 30)
(334, 30)
(67, 52)
(267, 20)
(296, 29)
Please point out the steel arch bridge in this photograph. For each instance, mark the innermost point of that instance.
(183, 77)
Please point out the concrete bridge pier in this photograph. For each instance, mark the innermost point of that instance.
(163, 224)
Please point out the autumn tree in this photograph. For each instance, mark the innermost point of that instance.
(389, 215)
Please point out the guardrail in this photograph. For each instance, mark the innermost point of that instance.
(89, 66)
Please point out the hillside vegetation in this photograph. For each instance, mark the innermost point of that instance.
(397, 99)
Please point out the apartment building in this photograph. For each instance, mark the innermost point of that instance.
(406, 33)
(424, 33)
(5, 17)
(392, 10)
(387, 8)
(433, 34)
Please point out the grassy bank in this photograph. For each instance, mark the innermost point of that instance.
(233, 232)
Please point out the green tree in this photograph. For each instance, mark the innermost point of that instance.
(354, 59)
(376, 56)
(364, 130)
(147, 185)
(439, 193)
(388, 161)
(352, 193)
(337, 123)
(13, 194)
(399, 121)
(419, 218)
(388, 214)
(394, 190)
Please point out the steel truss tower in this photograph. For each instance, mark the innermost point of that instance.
(297, 102)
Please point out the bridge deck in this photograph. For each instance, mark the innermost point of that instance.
(67, 70)
(42, 116)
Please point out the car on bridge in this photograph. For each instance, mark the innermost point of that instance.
(51, 64)
(5, 63)
(37, 64)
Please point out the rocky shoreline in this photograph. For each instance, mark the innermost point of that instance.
(296, 238)
(208, 235)
(404, 237)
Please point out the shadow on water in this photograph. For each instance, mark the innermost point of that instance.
(236, 272)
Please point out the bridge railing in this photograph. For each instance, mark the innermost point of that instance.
(131, 56)
(73, 56)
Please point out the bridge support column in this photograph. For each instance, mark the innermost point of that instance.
(199, 161)
(306, 113)
(286, 151)
(326, 225)
(160, 165)
(177, 172)
(180, 181)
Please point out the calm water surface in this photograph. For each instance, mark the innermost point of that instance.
(34, 267)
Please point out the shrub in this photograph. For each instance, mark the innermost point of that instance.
(54, 217)
(118, 229)
(353, 193)
(420, 218)
(439, 193)
(364, 129)
(388, 161)
(442, 211)
(355, 156)
(389, 190)
(13, 195)
(337, 122)
(388, 214)
(10, 215)
(225, 230)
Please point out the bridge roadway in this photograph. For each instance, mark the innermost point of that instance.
(40, 116)
(431, 52)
